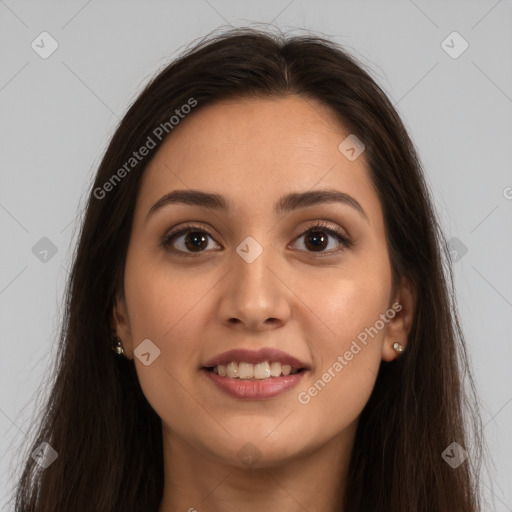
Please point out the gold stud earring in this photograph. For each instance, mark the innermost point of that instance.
(117, 346)
(398, 347)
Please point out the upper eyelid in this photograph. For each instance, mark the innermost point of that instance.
(203, 227)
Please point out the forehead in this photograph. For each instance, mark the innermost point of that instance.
(254, 151)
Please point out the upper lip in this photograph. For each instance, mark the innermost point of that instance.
(255, 356)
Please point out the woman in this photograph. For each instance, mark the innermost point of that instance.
(261, 253)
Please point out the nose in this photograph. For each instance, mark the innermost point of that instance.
(254, 296)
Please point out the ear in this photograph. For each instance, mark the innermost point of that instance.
(121, 324)
(399, 327)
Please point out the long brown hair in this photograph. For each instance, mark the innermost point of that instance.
(109, 439)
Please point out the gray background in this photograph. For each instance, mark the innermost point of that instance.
(57, 115)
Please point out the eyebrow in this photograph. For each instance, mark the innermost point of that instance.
(287, 203)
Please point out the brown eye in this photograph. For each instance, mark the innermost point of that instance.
(318, 239)
(187, 241)
(195, 241)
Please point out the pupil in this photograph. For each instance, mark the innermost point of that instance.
(195, 240)
(198, 240)
(318, 239)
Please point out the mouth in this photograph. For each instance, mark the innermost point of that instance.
(253, 388)
(263, 363)
(254, 372)
(254, 375)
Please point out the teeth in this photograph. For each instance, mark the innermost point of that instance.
(262, 370)
(286, 369)
(231, 369)
(259, 371)
(275, 369)
(246, 370)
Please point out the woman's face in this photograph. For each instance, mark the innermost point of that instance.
(251, 277)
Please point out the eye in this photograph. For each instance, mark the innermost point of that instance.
(195, 240)
(317, 239)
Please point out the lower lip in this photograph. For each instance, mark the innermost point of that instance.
(254, 389)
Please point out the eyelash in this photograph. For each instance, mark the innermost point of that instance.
(321, 226)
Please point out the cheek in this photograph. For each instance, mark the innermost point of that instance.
(167, 307)
(164, 306)
(346, 311)
(348, 302)
(150, 307)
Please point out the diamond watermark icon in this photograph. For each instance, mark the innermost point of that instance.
(457, 249)
(454, 45)
(455, 455)
(44, 45)
(249, 249)
(249, 454)
(44, 250)
(146, 352)
(351, 147)
(44, 455)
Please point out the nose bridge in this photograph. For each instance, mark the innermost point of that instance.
(254, 294)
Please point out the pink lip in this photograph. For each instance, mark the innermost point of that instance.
(254, 357)
(254, 389)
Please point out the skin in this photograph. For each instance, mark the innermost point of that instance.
(253, 151)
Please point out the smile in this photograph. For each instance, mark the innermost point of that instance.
(259, 371)
(252, 388)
